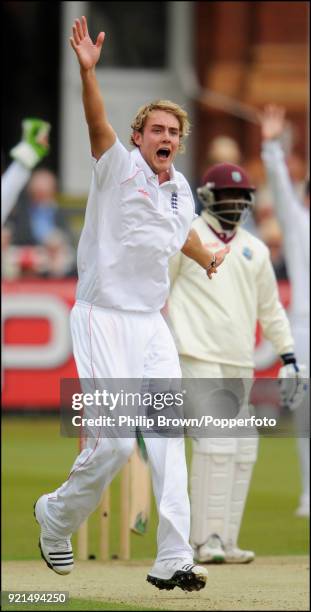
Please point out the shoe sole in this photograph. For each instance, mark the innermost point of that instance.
(187, 581)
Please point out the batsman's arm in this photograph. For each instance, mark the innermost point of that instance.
(276, 328)
(102, 135)
(270, 312)
(195, 249)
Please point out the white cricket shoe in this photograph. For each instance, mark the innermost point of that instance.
(177, 573)
(236, 555)
(303, 509)
(56, 553)
(212, 551)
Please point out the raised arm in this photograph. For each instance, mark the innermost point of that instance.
(195, 249)
(286, 202)
(33, 147)
(102, 135)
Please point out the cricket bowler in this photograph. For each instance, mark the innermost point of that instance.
(139, 213)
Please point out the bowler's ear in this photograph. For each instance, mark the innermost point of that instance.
(137, 137)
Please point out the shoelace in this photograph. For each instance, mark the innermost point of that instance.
(187, 567)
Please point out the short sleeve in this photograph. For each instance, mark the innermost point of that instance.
(113, 165)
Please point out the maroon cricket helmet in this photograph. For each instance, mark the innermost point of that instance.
(227, 176)
(230, 209)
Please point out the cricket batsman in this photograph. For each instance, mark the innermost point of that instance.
(214, 325)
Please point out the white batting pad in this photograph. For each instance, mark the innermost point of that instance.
(243, 468)
(211, 476)
(221, 472)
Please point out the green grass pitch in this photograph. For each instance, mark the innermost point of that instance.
(76, 604)
(36, 460)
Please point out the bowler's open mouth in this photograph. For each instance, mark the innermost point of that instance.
(163, 153)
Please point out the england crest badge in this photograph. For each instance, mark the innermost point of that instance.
(174, 203)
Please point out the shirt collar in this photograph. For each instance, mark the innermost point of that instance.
(148, 172)
(223, 235)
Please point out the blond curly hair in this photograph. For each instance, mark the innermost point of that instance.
(163, 105)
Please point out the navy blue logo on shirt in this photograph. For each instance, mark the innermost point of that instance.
(174, 203)
(247, 253)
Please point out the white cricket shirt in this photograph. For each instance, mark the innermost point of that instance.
(132, 227)
(215, 320)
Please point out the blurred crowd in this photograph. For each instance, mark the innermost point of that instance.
(37, 240)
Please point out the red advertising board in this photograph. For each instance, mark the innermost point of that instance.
(37, 350)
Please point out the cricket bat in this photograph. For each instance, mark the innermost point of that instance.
(140, 487)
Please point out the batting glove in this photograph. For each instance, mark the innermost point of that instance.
(292, 383)
(35, 143)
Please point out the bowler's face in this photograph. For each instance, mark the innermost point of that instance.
(159, 141)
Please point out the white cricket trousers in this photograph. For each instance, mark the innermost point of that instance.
(109, 343)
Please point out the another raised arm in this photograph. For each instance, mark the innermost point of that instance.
(286, 202)
(102, 135)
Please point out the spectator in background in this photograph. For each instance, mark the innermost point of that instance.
(270, 233)
(223, 149)
(38, 214)
(294, 217)
(265, 225)
(39, 222)
(60, 255)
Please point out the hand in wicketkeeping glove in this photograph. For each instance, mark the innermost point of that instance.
(35, 143)
(292, 381)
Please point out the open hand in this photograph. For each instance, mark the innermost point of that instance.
(272, 121)
(87, 53)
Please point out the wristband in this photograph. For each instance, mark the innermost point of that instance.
(288, 358)
(211, 265)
